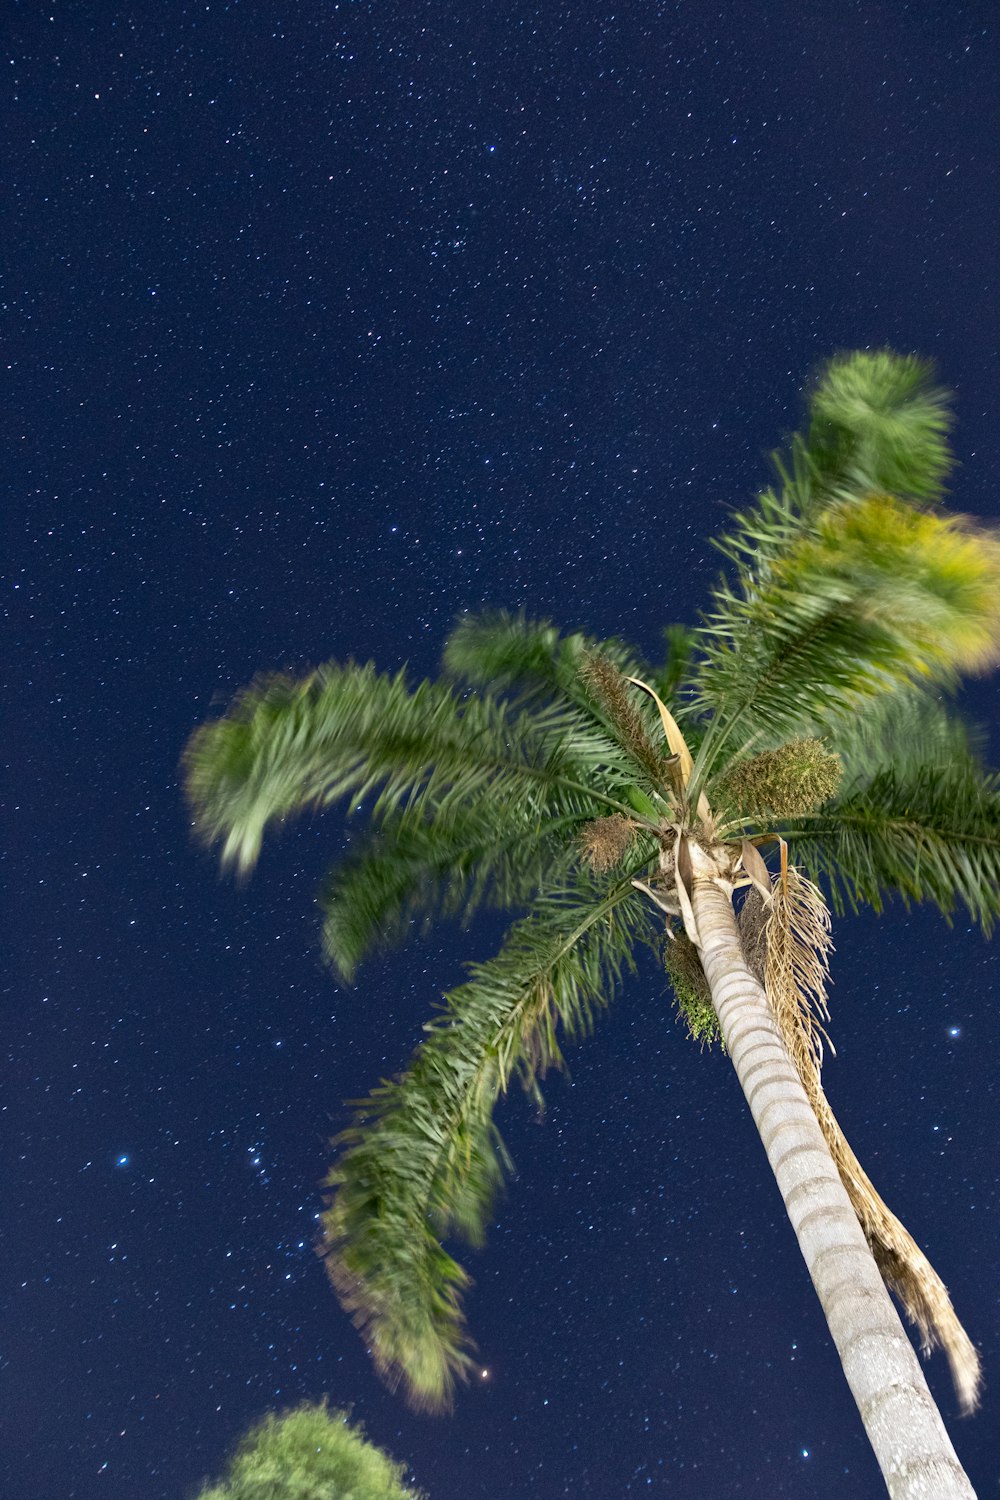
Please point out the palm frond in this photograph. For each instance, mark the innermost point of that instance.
(911, 728)
(347, 733)
(531, 659)
(931, 833)
(409, 872)
(876, 596)
(503, 650)
(879, 422)
(877, 425)
(424, 1159)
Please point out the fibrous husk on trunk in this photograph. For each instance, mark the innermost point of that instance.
(682, 962)
(787, 944)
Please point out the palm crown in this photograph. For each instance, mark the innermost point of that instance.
(545, 774)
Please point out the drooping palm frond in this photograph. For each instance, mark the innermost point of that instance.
(797, 946)
(424, 1160)
(929, 833)
(408, 872)
(347, 733)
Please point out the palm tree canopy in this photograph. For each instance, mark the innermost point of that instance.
(535, 777)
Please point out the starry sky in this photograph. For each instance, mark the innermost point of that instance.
(325, 322)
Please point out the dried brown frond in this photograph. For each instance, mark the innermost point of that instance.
(903, 1264)
(796, 939)
(795, 778)
(797, 965)
(605, 842)
(611, 690)
(691, 990)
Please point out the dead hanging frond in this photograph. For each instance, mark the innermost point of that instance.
(796, 778)
(792, 936)
(797, 965)
(610, 688)
(605, 842)
(691, 990)
(903, 1264)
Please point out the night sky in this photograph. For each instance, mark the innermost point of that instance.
(325, 322)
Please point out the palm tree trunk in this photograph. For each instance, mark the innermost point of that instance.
(903, 1424)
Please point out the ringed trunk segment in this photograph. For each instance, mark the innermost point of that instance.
(903, 1423)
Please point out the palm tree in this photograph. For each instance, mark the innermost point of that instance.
(545, 775)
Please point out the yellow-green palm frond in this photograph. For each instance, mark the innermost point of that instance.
(424, 1160)
(929, 581)
(877, 425)
(873, 597)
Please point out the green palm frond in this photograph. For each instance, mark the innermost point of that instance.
(424, 1159)
(503, 650)
(532, 660)
(347, 733)
(407, 873)
(929, 833)
(906, 730)
(879, 422)
(844, 588)
(877, 425)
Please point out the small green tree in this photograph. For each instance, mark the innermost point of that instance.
(310, 1453)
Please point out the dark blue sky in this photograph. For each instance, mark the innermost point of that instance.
(325, 322)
